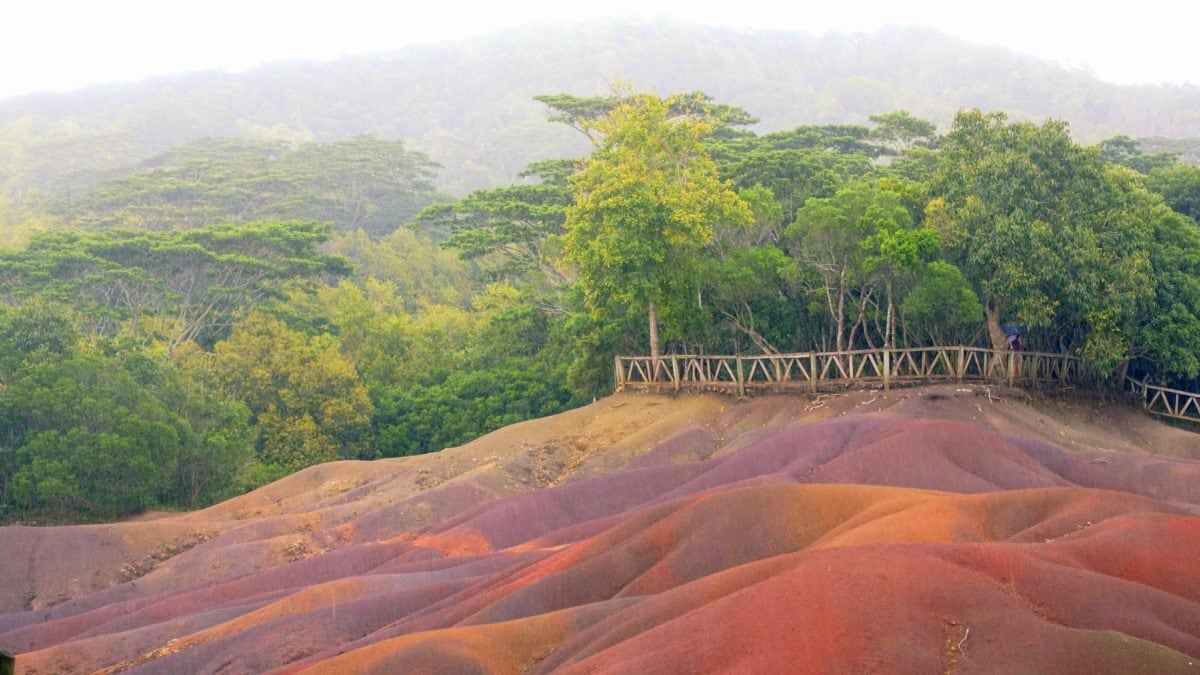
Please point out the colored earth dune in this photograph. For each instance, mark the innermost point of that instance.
(937, 529)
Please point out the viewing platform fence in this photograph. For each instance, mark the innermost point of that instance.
(816, 372)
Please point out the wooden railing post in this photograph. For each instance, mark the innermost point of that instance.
(813, 375)
(961, 368)
(1012, 365)
(620, 374)
(887, 369)
(741, 378)
(675, 371)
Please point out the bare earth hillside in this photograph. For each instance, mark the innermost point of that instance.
(927, 530)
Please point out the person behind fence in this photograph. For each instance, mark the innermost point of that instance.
(1013, 333)
(1014, 343)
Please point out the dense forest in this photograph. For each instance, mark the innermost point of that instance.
(209, 282)
(229, 311)
(469, 105)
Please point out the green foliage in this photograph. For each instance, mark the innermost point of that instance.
(306, 397)
(464, 406)
(751, 289)
(942, 304)
(855, 242)
(793, 175)
(418, 270)
(357, 184)
(1036, 222)
(472, 373)
(519, 226)
(898, 132)
(1179, 185)
(1166, 342)
(174, 286)
(582, 113)
(646, 202)
(1128, 152)
(92, 436)
(36, 330)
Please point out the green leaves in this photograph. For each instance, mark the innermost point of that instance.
(645, 202)
(942, 302)
(175, 286)
(358, 183)
(1056, 239)
(307, 398)
(93, 437)
(518, 225)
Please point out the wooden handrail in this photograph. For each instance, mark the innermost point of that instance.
(810, 371)
(1167, 402)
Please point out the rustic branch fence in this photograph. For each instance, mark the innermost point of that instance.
(814, 372)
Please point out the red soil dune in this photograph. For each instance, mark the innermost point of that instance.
(930, 531)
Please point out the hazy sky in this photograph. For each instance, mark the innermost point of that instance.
(57, 45)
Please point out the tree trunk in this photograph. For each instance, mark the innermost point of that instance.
(653, 336)
(746, 328)
(1122, 373)
(995, 332)
(841, 320)
(889, 339)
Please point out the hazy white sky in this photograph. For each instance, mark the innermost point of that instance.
(65, 44)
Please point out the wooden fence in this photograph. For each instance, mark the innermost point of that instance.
(814, 372)
(1166, 402)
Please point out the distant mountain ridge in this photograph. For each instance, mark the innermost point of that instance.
(469, 104)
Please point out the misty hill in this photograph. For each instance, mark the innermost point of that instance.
(469, 104)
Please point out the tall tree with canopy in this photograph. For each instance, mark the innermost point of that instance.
(176, 286)
(646, 201)
(1051, 235)
(860, 242)
(1018, 205)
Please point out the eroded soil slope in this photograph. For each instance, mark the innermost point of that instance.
(936, 528)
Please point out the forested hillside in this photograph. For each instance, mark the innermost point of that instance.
(230, 311)
(470, 107)
(211, 281)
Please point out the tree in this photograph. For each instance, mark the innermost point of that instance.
(1179, 185)
(421, 272)
(856, 241)
(646, 202)
(899, 131)
(795, 165)
(88, 435)
(1128, 152)
(520, 225)
(358, 183)
(942, 302)
(1008, 197)
(307, 399)
(748, 287)
(35, 330)
(177, 285)
(1052, 236)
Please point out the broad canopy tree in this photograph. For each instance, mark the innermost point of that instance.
(175, 286)
(1057, 239)
(646, 202)
(1034, 221)
(863, 249)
